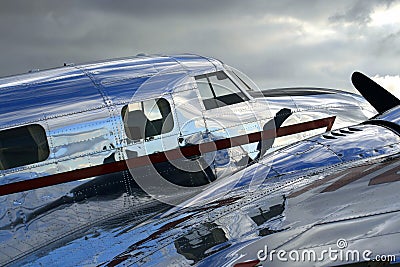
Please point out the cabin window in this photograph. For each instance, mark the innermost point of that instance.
(22, 146)
(147, 119)
(218, 90)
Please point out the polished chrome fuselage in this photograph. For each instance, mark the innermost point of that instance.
(80, 109)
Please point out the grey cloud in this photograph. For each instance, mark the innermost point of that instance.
(359, 12)
(278, 43)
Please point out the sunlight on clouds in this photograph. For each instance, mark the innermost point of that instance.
(278, 19)
(384, 16)
(295, 28)
(391, 83)
(315, 33)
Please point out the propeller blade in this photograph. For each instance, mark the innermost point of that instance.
(375, 94)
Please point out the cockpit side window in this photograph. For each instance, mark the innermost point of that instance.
(147, 118)
(23, 146)
(218, 90)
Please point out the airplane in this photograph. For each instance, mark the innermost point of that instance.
(182, 160)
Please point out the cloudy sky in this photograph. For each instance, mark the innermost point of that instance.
(277, 43)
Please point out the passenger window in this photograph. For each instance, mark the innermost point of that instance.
(218, 90)
(147, 119)
(22, 146)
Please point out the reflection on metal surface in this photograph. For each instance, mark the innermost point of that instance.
(83, 202)
(274, 212)
(194, 246)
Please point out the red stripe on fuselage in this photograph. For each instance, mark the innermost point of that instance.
(169, 155)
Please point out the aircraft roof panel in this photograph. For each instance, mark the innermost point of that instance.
(121, 80)
(33, 96)
(115, 70)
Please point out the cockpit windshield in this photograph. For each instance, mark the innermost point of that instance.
(244, 81)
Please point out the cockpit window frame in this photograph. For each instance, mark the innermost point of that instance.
(218, 101)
